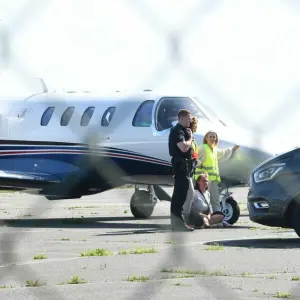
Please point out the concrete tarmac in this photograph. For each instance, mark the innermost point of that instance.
(45, 244)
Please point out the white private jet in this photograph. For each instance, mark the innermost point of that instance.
(67, 145)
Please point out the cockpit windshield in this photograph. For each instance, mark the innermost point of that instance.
(168, 108)
(212, 113)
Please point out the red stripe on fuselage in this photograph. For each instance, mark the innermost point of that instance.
(58, 151)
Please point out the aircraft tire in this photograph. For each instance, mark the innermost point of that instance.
(231, 211)
(140, 205)
(296, 219)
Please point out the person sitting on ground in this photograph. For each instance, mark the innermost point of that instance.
(202, 215)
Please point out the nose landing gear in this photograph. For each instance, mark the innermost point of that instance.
(229, 206)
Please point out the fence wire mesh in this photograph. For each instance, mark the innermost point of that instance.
(109, 170)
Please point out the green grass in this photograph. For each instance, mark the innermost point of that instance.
(170, 242)
(138, 278)
(215, 247)
(271, 277)
(248, 274)
(138, 251)
(193, 273)
(282, 295)
(5, 286)
(31, 283)
(76, 280)
(96, 252)
(74, 207)
(40, 256)
(296, 278)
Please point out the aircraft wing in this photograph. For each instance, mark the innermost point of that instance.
(18, 180)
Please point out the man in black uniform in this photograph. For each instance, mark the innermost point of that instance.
(180, 148)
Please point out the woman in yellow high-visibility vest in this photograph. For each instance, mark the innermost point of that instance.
(208, 162)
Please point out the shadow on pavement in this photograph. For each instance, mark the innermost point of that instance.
(271, 243)
(122, 223)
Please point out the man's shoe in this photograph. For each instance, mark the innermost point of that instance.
(179, 224)
(182, 227)
(189, 227)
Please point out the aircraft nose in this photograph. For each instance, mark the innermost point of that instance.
(242, 163)
(254, 156)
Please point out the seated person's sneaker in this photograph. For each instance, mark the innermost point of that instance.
(218, 225)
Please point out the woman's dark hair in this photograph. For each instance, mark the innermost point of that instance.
(196, 187)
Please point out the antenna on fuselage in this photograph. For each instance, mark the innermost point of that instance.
(43, 85)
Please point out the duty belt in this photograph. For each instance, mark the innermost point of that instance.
(181, 159)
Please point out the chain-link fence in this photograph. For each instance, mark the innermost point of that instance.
(176, 60)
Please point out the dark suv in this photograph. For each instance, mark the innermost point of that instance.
(274, 193)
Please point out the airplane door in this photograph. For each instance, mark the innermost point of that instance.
(142, 124)
(138, 136)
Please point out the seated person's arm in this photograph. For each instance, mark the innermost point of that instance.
(181, 143)
(203, 215)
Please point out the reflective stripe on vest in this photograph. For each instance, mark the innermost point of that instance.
(210, 165)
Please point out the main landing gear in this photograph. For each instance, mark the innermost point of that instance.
(142, 202)
(229, 206)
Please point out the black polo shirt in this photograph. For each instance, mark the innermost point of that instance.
(178, 134)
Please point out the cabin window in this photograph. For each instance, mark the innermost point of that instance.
(143, 116)
(65, 118)
(169, 107)
(107, 116)
(47, 116)
(87, 115)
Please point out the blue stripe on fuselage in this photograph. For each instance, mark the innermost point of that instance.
(61, 164)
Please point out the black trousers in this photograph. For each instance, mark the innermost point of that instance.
(181, 171)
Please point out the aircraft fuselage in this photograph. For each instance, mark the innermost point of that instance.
(101, 142)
